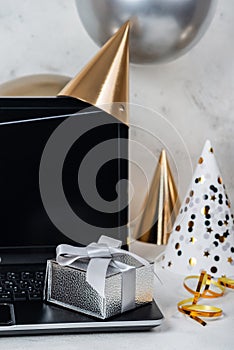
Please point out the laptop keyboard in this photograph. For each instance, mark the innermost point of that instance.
(21, 286)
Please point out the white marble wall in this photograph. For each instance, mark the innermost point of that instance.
(195, 93)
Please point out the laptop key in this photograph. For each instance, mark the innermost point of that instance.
(24, 284)
(38, 284)
(26, 275)
(2, 276)
(12, 276)
(35, 295)
(16, 289)
(20, 296)
(40, 275)
(5, 297)
(8, 285)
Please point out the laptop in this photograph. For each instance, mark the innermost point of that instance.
(30, 226)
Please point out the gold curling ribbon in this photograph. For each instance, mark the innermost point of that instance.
(190, 307)
(194, 311)
(226, 282)
(207, 282)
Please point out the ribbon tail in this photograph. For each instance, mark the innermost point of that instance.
(96, 274)
(128, 289)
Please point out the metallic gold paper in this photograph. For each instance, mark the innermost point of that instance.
(103, 82)
(190, 307)
(207, 282)
(226, 282)
(161, 206)
(194, 311)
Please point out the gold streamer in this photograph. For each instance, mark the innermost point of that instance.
(207, 283)
(226, 282)
(190, 307)
(194, 311)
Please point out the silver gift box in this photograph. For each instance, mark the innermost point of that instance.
(67, 286)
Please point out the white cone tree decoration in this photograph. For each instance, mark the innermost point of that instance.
(203, 234)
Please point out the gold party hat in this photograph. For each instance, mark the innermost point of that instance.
(103, 82)
(161, 206)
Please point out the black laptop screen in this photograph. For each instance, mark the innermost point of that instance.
(26, 125)
(23, 219)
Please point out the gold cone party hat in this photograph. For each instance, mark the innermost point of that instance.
(161, 206)
(203, 234)
(103, 82)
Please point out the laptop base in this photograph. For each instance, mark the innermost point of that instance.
(37, 318)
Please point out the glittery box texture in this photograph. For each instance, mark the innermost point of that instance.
(66, 286)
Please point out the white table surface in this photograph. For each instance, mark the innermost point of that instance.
(176, 332)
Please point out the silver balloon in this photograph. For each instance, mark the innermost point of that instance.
(162, 30)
